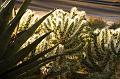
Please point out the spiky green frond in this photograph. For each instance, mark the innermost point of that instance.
(11, 53)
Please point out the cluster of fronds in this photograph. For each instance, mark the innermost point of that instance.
(101, 43)
(102, 51)
(66, 27)
(71, 31)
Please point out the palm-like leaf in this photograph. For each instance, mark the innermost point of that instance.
(5, 12)
(11, 55)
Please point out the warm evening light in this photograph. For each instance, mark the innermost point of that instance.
(59, 39)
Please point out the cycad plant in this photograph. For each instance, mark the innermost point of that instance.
(12, 65)
(102, 53)
(69, 30)
(101, 43)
